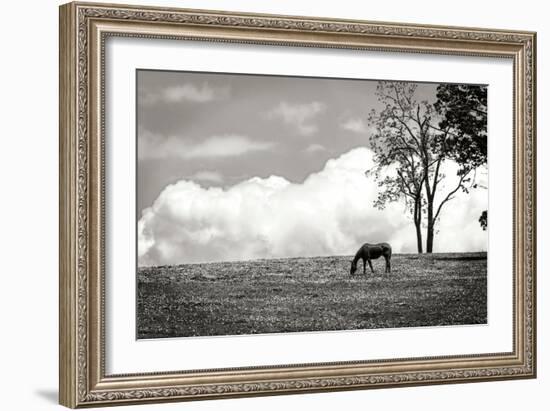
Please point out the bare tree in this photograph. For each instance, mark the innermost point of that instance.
(410, 149)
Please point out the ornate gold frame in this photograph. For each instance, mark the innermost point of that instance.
(83, 30)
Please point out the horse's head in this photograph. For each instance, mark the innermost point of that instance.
(353, 268)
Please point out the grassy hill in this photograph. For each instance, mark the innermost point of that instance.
(310, 294)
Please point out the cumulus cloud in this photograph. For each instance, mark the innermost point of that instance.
(298, 116)
(354, 124)
(203, 93)
(330, 213)
(151, 145)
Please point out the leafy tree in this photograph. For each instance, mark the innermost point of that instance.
(463, 109)
(410, 146)
(483, 220)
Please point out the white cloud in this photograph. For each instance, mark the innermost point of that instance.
(330, 213)
(208, 176)
(225, 146)
(186, 92)
(314, 148)
(298, 116)
(357, 125)
(152, 145)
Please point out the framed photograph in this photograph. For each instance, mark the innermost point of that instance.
(259, 204)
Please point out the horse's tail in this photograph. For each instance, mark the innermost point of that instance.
(389, 249)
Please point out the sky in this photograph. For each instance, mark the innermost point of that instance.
(236, 167)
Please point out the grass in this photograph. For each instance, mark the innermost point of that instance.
(310, 294)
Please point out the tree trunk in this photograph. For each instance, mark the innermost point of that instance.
(418, 226)
(430, 239)
(418, 237)
(430, 228)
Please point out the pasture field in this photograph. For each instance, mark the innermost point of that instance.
(310, 294)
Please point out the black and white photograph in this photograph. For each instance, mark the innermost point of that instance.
(279, 204)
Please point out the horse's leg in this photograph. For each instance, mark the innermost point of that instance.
(388, 265)
(370, 265)
(364, 266)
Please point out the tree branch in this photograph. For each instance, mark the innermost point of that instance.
(450, 195)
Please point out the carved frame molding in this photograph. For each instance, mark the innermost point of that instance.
(83, 30)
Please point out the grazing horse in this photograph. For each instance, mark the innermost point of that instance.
(369, 252)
